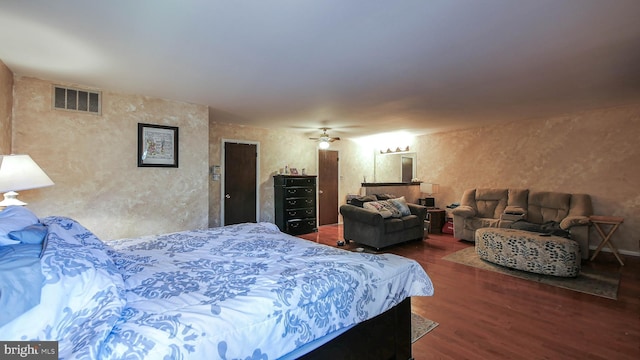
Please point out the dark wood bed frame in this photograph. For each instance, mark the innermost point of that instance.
(386, 336)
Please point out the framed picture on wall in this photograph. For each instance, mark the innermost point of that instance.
(157, 145)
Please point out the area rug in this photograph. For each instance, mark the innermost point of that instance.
(420, 326)
(589, 281)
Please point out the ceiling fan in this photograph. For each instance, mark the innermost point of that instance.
(325, 139)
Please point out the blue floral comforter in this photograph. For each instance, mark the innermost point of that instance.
(244, 291)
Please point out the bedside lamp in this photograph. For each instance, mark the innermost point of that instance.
(429, 189)
(20, 172)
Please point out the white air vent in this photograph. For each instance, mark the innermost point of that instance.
(67, 98)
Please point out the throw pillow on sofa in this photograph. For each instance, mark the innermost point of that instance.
(385, 208)
(360, 200)
(385, 196)
(401, 204)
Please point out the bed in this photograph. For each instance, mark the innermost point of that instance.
(245, 291)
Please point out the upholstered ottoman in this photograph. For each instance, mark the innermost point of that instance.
(529, 251)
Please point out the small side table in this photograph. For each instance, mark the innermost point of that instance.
(615, 222)
(436, 218)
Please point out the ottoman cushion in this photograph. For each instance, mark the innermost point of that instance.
(529, 251)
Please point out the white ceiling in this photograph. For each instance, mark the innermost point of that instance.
(357, 66)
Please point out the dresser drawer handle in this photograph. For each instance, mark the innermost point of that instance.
(291, 191)
(309, 212)
(292, 202)
(294, 225)
(309, 201)
(292, 213)
(308, 190)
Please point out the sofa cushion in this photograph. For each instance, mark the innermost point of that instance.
(410, 221)
(580, 205)
(477, 223)
(393, 225)
(518, 198)
(548, 206)
(490, 203)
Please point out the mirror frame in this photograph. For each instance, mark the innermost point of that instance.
(377, 166)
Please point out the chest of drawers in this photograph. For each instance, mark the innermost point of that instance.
(295, 203)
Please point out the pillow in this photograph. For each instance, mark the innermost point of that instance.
(394, 210)
(14, 218)
(401, 204)
(376, 206)
(385, 196)
(385, 208)
(360, 200)
(83, 292)
(20, 280)
(32, 234)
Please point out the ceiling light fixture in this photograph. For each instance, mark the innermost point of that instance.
(396, 151)
(324, 139)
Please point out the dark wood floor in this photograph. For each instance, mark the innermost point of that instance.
(485, 315)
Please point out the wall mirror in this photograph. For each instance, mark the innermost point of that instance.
(395, 168)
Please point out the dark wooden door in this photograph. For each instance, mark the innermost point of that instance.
(240, 162)
(327, 187)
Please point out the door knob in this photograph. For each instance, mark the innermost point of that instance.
(227, 196)
(320, 191)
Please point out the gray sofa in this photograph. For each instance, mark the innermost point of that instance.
(501, 208)
(368, 227)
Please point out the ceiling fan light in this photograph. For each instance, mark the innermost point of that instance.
(323, 144)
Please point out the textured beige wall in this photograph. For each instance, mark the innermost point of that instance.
(6, 101)
(92, 159)
(594, 152)
(93, 162)
(356, 163)
(277, 149)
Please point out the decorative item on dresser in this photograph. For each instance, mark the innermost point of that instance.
(295, 203)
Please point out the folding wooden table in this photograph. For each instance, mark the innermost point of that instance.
(615, 222)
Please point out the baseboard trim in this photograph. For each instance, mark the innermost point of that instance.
(621, 251)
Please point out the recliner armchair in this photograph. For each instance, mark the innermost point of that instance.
(481, 208)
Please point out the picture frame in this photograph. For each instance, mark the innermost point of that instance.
(293, 171)
(157, 145)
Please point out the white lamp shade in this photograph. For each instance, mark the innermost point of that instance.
(323, 145)
(20, 172)
(429, 188)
